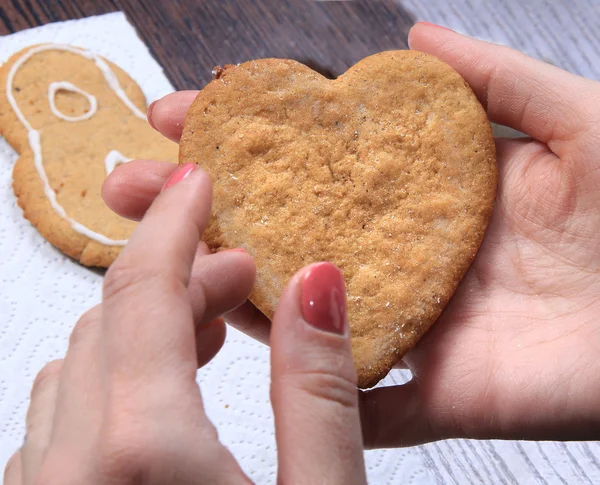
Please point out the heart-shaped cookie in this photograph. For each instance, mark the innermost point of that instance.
(388, 171)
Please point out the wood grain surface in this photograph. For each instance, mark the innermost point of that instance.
(189, 38)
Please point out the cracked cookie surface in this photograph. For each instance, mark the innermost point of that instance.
(388, 171)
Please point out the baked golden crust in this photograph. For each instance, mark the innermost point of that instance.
(389, 172)
(73, 152)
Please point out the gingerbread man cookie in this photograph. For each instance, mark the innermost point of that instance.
(73, 117)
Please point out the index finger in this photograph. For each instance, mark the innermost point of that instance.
(148, 325)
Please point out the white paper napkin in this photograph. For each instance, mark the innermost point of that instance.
(42, 293)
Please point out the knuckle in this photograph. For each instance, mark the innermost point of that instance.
(126, 455)
(327, 374)
(11, 469)
(132, 441)
(336, 388)
(127, 447)
(87, 321)
(332, 388)
(56, 469)
(48, 374)
(122, 274)
(123, 461)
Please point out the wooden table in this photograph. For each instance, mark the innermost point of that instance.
(189, 38)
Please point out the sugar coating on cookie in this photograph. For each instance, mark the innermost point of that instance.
(389, 172)
(69, 111)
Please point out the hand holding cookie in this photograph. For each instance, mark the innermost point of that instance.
(514, 352)
(124, 406)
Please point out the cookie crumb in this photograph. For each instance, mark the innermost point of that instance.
(219, 71)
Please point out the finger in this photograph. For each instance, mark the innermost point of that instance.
(210, 337)
(219, 282)
(148, 327)
(81, 394)
(13, 470)
(517, 91)
(80, 405)
(40, 418)
(167, 114)
(131, 188)
(250, 320)
(313, 382)
(395, 416)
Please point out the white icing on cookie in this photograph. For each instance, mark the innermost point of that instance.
(113, 159)
(67, 86)
(34, 136)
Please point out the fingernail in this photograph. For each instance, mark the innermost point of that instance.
(324, 298)
(234, 250)
(149, 114)
(179, 174)
(429, 24)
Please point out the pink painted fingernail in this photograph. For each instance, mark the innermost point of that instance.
(234, 250)
(179, 174)
(429, 24)
(324, 298)
(149, 114)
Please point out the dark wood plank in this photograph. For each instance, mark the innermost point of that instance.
(189, 38)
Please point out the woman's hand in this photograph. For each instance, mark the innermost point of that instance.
(124, 407)
(515, 352)
(514, 355)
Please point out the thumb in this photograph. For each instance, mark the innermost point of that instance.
(313, 382)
